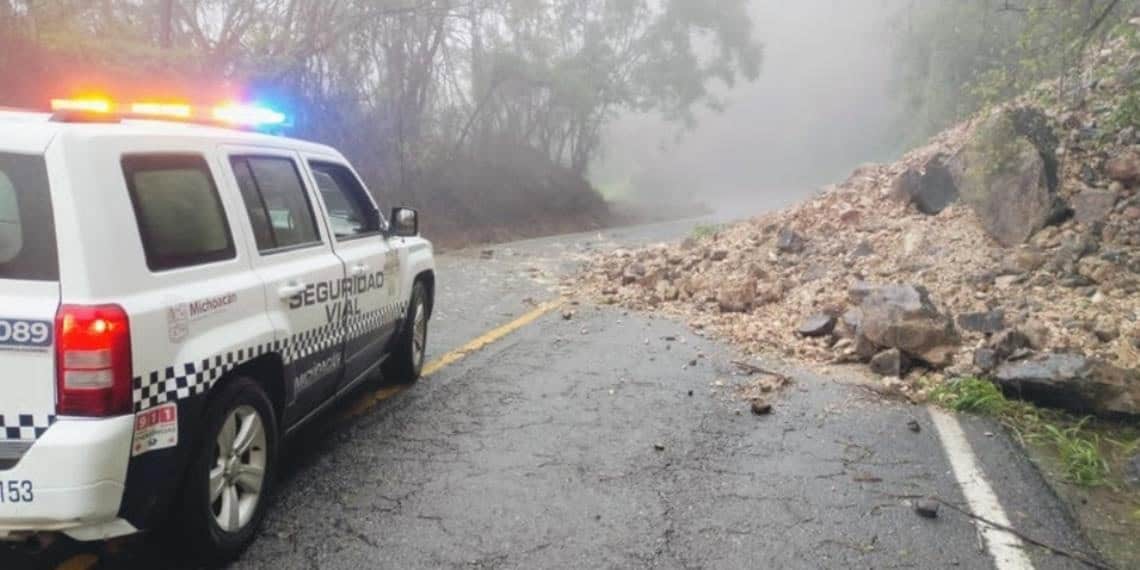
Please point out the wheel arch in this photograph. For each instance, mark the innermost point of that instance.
(268, 371)
(427, 277)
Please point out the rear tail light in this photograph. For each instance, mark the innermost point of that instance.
(93, 361)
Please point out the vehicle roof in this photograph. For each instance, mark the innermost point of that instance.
(32, 132)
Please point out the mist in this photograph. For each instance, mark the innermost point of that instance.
(821, 106)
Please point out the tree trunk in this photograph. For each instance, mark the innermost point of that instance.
(166, 25)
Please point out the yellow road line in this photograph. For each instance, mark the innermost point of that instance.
(489, 337)
(369, 400)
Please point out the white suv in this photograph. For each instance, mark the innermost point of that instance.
(174, 300)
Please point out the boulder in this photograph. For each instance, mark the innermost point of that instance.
(737, 298)
(1093, 206)
(906, 185)
(1008, 342)
(633, 272)
(817, 325)
(1105, 273)
(1027, 260)
(1073, 382)
(1124, 167)
(937, 188)
(849, 323)
(988, 322)
(930, 191)
(859, 291)
(985, 359)
(1072, 250)
(788, 241)
(1132, 471)
(904, 317)
(1009, 179)
(891, 362)
(1033, 124)
(864, 349)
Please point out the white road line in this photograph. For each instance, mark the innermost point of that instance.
(1007, 550)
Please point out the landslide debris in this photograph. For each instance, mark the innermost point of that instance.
(1007, 247)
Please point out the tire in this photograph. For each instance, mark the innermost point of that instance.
(405, 364)
(218, 523)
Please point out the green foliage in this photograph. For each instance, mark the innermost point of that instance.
(1127, 113)
(992, 150)
(972, 395)
(1079, 450)
(955, 57)
(707, 231)
(407, 85)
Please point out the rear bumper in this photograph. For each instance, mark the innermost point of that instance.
(77, 471)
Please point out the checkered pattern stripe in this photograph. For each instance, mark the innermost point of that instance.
(373, 320)
(313, 341)
(193, 378)
(24, 427)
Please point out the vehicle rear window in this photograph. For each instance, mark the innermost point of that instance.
(180, 216)
(27, 226)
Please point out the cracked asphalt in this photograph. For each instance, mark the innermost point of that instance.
(592, 443)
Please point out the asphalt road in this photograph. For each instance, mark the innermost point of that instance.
(592, 443)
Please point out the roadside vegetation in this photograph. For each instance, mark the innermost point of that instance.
(707, 231)
(957, 58)
(486, 113)
(1090, 451)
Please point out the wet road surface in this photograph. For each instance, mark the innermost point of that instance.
(592, 443)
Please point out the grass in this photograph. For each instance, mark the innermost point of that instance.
(971, 395)
(1126, 113)
(1082, 448)
(705, 231)
(1080, 454)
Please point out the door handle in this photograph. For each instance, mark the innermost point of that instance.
(358, 269)
(290, 290)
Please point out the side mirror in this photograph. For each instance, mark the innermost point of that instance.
(405, 222)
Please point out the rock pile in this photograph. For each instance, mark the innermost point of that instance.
(1009, 246)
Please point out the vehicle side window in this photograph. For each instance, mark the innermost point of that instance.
(27, 225)
(346, 200)
(180, 215)
(258, 214)
(277, 202)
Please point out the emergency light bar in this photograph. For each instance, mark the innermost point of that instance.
(250, 116)
(81, 105)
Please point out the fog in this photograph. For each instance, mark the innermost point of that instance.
(821, 106)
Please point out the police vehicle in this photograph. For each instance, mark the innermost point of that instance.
(175, 298)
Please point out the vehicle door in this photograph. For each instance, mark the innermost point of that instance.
(369, 307)
(304, 279)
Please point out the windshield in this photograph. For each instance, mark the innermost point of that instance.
(27, 228)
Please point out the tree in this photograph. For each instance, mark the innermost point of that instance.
(408, 88)
(956, 57)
